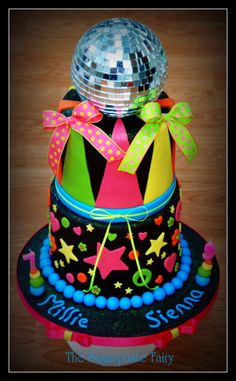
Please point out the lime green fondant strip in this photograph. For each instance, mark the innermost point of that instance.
(160, 174)
(75, 177)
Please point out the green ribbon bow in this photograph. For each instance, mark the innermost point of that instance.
(175, 121)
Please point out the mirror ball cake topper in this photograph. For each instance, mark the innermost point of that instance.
(119, 65)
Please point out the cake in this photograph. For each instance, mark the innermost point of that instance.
(115, 265)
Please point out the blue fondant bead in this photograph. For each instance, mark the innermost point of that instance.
(37, 291)
(113, 303)
(60, 285)
(202, 281)
(53, 278)
(46, 242)
(47, 271)
(44, 256)
(186, 260)
(78, 296)
(136, 301)
(185, 268)
(125, 303)
(183, 243)
(169, 288)
(148, 298)
(182, 275)
(181, 236)
(44, 250)
(177, 282)
(45, 263)
(160, 294)
(89, 300)
(68, 291)
(186, 251)
(101, 302)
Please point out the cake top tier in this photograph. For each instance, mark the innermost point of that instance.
(119, 65)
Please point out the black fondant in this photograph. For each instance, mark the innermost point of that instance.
(121, 229)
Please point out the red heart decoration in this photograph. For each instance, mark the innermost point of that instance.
(142, 235)
(159, 279)
(77, 230)
(170, 262)
(158, 220)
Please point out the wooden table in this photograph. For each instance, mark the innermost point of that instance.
(41, 44)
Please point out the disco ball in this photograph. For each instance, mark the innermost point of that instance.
(119, 65)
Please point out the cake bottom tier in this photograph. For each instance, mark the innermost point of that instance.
(168, 316)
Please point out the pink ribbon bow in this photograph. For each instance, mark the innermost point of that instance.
(81, 121)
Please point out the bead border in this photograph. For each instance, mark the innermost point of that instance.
(113, 303)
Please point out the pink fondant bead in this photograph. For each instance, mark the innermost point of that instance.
(209, 251)
(70, 277)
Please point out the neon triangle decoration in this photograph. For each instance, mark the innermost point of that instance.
(75, 177)
(119, 189)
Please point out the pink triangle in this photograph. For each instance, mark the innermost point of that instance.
(119, 189)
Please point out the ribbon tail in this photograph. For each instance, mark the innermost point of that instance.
(105, 145)
(56, 146)
(98, 258)
(184, 139)
(136, 258)
(138, 148)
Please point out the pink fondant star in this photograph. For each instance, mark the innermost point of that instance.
(109, 260)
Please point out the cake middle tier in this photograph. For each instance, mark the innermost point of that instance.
(115, 252)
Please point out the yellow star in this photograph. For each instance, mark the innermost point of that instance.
(90, 272)
(172, 209)
(90, 228)
(128, 290)
(163, 255)
(156, 245)
(62, 263)
(54, 207)
(118, 284)
(56, 264)
(67, 251)
(150, 261)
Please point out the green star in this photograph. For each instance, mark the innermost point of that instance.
(156, 245)
(90, 272)
(66, 250)
(54, 207)
(163, 255)
(62, 263)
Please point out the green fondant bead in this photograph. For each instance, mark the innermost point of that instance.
(65, 222)
(37, 282)
(204, 273)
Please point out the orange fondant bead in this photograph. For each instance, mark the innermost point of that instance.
(131, 255)
(82, 277)
(33, 271)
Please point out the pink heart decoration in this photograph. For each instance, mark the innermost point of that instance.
(54, 222)
(142, 235)
(170, 262)
(77, 230)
